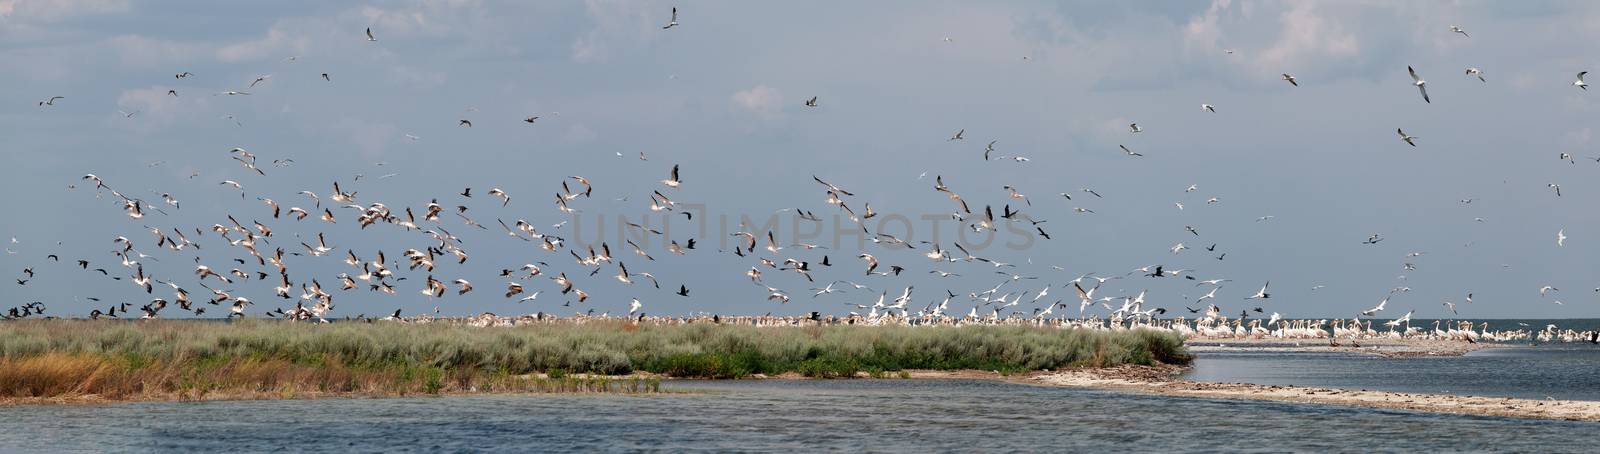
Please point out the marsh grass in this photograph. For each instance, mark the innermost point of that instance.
(202, 360)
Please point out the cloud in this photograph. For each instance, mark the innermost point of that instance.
(761, 100)
(135, 51)
(616, 24)
(155, 108)
(277, 41)
(1307, 36)
(51, 10)
(371, 139)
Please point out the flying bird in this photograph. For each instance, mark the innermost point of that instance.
(1580, 83)
(811, 102)
(369, 35)
(1457, 29)
(1261, 294)
(674, 21)
(1422, 85)
(1473, 71)
(1290, 78)
(1408, 139)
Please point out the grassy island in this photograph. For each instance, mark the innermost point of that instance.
(178, 359)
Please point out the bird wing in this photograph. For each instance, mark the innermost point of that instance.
(1424, 90)
(1413, 72)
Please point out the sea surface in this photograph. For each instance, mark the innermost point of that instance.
(1559, 371)
(776, 415)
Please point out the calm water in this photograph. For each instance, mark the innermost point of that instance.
(1562, 371)
(839, 415)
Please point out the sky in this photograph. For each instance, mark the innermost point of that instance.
(721, 95)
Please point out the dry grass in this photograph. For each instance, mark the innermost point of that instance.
(261, 359)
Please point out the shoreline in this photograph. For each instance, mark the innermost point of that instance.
(1388, 348)
(1163, 381)
(1145, 380)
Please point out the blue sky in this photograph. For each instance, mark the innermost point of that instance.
(721, 95)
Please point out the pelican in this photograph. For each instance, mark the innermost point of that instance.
(1422, 85)
(1408, 139)
(634, 306)
(674, 181)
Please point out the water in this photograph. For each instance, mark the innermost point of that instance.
(821, 415)
(1561, 371)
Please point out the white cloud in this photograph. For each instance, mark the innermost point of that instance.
(370, 139)
(156, 109)
(135, 51)
(278, 41)
(761, 100)
(49, 10)
(621, 22)
(1307, 36)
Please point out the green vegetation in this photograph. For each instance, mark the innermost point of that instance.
(199, 359)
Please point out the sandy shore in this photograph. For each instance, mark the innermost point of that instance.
(1162, 381)
(1381, 347)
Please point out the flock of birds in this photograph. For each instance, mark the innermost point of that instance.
(250, 247)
